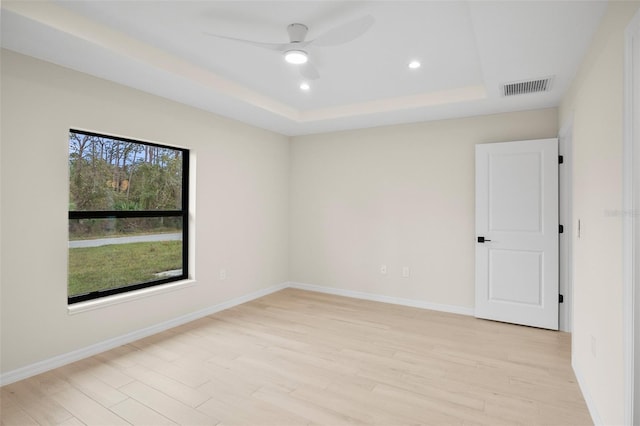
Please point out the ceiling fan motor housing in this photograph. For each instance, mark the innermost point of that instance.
(297, 32)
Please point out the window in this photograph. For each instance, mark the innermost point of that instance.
(128, 215)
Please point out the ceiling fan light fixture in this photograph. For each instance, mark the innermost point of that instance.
(296, 57)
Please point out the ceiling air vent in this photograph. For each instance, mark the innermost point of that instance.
(527, 86)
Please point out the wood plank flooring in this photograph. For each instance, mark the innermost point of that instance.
(302, 358)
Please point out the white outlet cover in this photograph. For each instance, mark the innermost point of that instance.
(383, 269)
(405, 271)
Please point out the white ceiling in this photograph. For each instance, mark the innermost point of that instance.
(467, 50)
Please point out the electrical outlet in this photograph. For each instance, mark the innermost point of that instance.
(223, 274)
(405, 272)
(383, 269)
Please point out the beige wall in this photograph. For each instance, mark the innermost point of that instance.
(241, 206)
(595, 101)
(400, 196)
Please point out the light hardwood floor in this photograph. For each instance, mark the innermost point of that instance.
(297, 358)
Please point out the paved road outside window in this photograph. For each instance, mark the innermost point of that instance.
(125, 240)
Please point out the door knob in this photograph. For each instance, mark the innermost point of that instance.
(482, 240)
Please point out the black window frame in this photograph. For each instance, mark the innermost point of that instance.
(109, 214)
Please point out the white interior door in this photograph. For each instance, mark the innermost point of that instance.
(517, 217)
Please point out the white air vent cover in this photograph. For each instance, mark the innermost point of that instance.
(527, 86)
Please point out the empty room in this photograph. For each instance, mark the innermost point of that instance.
(319, 212)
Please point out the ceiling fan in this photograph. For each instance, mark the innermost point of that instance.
(295, 51)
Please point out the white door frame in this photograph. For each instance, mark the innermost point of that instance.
(631, 231)
(565, 205)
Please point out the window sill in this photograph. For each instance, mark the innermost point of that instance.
(116, 299)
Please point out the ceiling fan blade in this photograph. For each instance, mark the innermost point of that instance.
(309, 71)
(279, 47)
(344, 33)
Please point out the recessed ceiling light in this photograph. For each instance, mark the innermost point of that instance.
(296, 57)
(414, 65)
(304, 86)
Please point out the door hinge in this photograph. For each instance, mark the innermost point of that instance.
(560, 298)
(561, 229)
(560, 159)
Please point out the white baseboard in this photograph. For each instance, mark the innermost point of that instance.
(591, 405)
(64, 359)
(385, 299)
(60, 360)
